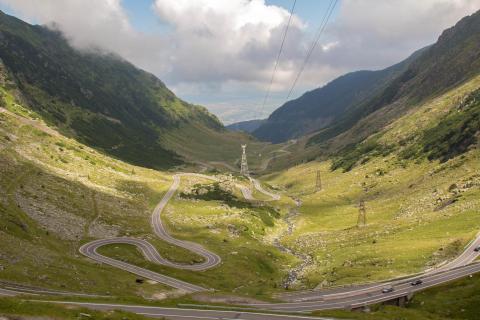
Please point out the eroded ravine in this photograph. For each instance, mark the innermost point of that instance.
(305, 259)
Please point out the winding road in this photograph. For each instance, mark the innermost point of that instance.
(150, 252)
(347, 297)
(264, 165)
(258, 186)
(306, 301)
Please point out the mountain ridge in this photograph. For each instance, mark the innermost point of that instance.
(99, 98)
(452, 60)
(336, 107)
(246, 126)
(318, 108)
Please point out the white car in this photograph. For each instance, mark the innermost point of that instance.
(387, 290)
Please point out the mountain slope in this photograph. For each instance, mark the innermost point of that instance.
(57, 194)
(419, 179)
(346, 103)
(320, 107)
(247, 126)
(452, 60)
(98, 98)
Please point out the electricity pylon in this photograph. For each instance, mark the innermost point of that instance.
(318, 184)
(243, 164)
(362, 214)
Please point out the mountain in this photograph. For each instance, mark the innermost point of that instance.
(246, 126)
(341, 104)
(414, 175)
(419, 181)
(452, 60)
(320, 107)
(97, 98)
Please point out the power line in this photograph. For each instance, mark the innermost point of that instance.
(320, 30)
(267, 94)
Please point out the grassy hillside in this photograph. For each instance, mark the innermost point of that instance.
(421, 209)
(246, 126)
(101, 100)
(452, 60)
(57, 194)
(419, 177)
(230, 227)
(456, 300)
(203, 145)
(353, 108)
(321, 107)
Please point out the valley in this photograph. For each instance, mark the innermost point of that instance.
(119, 200)
(234, 235)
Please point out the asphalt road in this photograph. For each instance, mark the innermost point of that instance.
(182, 313)
(150, 252)
(467, 257)
(12, 289)
(348, 297)
(285, 152)
(259, 187)
(306, 301)
(359, 298)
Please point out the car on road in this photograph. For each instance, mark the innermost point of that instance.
(416, 282)
(477, 249)
(387, 290)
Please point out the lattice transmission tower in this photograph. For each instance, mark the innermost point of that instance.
(318, 182)
(362, 214)
(243, 164)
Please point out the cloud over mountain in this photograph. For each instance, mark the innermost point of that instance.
(227, 48)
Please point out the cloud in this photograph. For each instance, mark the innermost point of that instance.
(375, 34)
(217, 40)
(86, 23)
(215, 50)
(209, 40)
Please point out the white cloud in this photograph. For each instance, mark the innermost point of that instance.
(225, 49)
(375, 34)
(85, 22)
(210, 40)
(329, 45)
(217, 40)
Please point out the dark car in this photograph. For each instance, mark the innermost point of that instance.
(477, 249)
(416, 282)
(387, 290)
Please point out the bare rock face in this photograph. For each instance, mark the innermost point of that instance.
(101, 230)
(62, 223)
(54, 214)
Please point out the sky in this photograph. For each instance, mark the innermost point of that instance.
(221, 53)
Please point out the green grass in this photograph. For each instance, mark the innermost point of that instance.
(235, 232)
(459, 299)
(409, 227)
(404, 233)
(87, 187)
(453, 135)
(16, 307)
(59, 174)
(198, 143)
